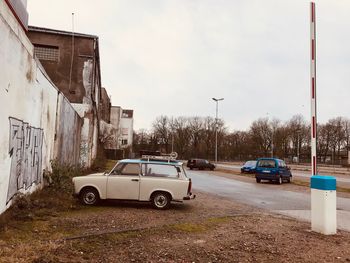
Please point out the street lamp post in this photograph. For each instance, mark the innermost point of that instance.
(216, 128)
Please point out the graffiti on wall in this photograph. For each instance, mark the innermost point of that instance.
(25, 150)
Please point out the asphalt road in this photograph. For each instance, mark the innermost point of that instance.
(267, 196)
(340, 178)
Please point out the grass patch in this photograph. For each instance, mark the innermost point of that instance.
(307, 184)
(301, 183)
(189, 227)
(218, 220)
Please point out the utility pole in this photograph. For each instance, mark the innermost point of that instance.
(216, 128)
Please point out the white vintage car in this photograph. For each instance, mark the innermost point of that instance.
(148, 179)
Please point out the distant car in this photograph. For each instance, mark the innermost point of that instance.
(248, 167)
(200, 164)
(153, 179)
(272, 169)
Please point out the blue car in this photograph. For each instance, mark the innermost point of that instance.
(248, 167)
(272, 169)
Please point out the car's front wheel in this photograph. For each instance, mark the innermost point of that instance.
(258, 180)
(161, 200)
(89, 196)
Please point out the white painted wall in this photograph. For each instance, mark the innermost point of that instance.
(89, 134)
(28, 112)
(68, 133)
(28, 102)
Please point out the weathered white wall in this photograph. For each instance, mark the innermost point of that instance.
(89, 135)
(28, 113)
(112, 141)
(27, 116)
(68, 130)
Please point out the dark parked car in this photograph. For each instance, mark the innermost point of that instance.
(201, 164)
(272, 169)
(248, 167)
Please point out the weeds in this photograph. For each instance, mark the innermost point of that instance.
(54, 197)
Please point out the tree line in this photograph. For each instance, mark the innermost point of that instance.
(194, 137)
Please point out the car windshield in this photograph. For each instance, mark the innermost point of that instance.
(250, 163)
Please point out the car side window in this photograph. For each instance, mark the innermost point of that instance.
(282, 164)
(131, 169)
(127, 169)
(159, 170)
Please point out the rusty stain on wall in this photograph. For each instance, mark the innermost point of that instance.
(25, 150)
(87, 81)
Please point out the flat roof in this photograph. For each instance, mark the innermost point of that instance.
(59, 32)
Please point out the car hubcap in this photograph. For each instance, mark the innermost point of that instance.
(160, 201)
(90, 198)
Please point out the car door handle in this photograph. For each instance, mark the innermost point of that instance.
(135, 180)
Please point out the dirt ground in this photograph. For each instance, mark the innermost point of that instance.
(207, 229)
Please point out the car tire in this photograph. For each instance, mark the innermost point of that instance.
(161, 200)
(211, 168)
(191, 168)
(89, 196)
(258, 180)
(290, 179)
(280, 180)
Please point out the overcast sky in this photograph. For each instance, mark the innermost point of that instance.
(170, 57)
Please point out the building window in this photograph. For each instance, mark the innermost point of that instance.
(124, 142)
(49, 53)
(125, 131)
(127, 113)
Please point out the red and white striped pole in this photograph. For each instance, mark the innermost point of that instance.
(313, 90)
(323, 188)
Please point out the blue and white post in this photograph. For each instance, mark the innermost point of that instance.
(323, 188)
(323, 204)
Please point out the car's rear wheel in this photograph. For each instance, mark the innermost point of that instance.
(89, 196)
(258, 180)
(280, 180)
(161, 200)
(290, 179)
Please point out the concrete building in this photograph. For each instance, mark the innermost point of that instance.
(72, 62)
(119, 145)
(105, 106)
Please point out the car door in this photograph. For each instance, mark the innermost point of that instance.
(162, 177)
(124, 182)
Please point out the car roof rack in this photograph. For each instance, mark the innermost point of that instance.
(170, 157)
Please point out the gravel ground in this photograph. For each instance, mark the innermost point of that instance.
(207, 229)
